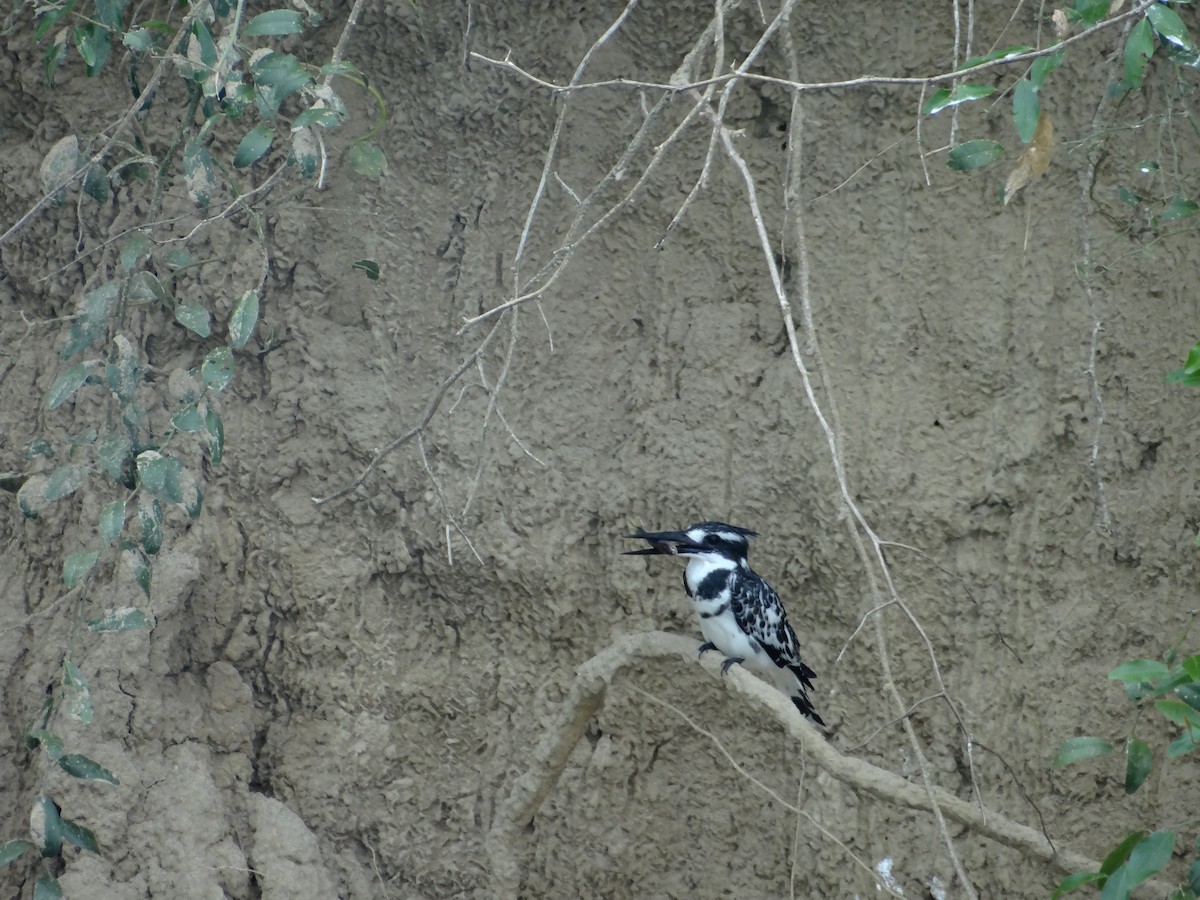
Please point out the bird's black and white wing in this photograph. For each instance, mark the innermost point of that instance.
(760, 614)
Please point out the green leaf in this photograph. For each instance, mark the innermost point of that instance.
(91, 318)
(10, 850)
(974, 155)
(1179, 376)
(367, 160)
(1078, 749)
(46, 827)
(276, 77)
(305, 153)
(47, 888)
(112, 520)
(109, 13)
(77, 693)
(1139, 670)
(179, 258)
(188, 419)
(1179, 208)
(1043, 66)
(243, 320)
(68, 383)
(275, 22)
(339, 68)
(80, 766)
(256, 142)
(1139, 47)
(150, 520)
(135, 248)
(81, 837)
(217, 369)
(83, 38)
(1026, 107)
(194, 318)
(1191, 665)
(1169, 26)
(159, 474)
(49, 742)
(1138, 761)
(216, 436)
(1151, 854)
(55, 56)
(1089, 12)
(144, 287)
(198, 173)
(368, 267)
(1178, 712)
(1194, 877)
(1171, 682)
(1120, 853)
(962, 93)
(1071, 882)
(79, 564)
(60, 164)
(1005, 53)
(30, 498)
(139, 40)
(316, 115)
(139, 565)
(1182, 745)
(1189, 694)
(50, 18)
(208, 50)
(95, 184)
(128, 618)
(192, 497)
(1192, 366)
(113, 452)
(64, 482)
(121, 373)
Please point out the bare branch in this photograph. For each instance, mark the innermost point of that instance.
(809, 87)
(507, 838)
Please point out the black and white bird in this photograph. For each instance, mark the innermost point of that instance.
(740, 614)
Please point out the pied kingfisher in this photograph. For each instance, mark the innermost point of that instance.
(740, 614)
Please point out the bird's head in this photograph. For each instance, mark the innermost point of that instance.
(714, 540)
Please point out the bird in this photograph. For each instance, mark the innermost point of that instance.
(740, 614)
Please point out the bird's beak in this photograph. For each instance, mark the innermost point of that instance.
(666, 543)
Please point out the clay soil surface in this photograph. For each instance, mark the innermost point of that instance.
(336, 700)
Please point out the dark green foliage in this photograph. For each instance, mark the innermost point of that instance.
(1172, 688)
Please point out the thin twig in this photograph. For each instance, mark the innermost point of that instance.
(795, 809)
(751, 193)
(808, 87)
(422, 423)
(195, 12)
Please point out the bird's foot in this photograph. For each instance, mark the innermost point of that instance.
(705, 647)
(733, 660)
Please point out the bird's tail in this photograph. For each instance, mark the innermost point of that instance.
(796, 682)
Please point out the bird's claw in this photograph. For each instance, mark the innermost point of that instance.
(729, 662)
(705, 647)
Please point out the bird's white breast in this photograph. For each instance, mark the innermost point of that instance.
(721, 629)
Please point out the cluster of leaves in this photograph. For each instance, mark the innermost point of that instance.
(1160, 26)
(48, 827)
(230, 75)
(241, 89)
(1172, 689)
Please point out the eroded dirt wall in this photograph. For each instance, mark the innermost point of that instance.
(336, 698)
